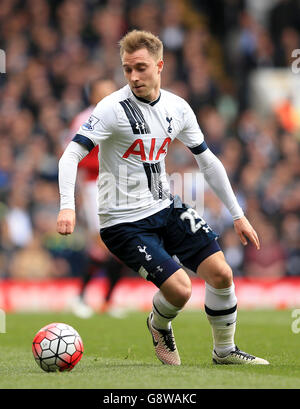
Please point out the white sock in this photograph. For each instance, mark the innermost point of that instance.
(220, 307)
(163, 312)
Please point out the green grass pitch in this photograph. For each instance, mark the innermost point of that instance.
(119, 353)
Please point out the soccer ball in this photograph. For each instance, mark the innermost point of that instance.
(57, 347)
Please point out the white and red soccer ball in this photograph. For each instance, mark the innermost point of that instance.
(57, 347)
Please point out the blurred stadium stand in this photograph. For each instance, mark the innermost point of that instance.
(230, 59)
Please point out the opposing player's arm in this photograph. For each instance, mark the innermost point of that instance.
(67, 172)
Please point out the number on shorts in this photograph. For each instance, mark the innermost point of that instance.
(191, 215)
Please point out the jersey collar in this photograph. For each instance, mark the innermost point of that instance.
(152, 103)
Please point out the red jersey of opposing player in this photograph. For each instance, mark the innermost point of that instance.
(90, 163)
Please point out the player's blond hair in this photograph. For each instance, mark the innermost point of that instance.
(138, 39)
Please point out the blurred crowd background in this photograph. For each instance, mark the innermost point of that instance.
(54, 49)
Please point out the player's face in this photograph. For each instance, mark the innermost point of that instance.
(142, 72)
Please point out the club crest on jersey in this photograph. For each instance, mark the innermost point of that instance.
(169, 120)
(90, 124)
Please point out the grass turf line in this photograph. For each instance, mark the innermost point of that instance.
(119, 353)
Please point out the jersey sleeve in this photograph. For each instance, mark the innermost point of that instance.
(191, 134)
(99, 126)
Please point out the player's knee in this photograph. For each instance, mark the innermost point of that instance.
(178, 291)
(184, 293)
(222, 277)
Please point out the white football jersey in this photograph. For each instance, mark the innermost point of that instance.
(133, 137)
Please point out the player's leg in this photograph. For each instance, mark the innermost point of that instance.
(89, 273)
(144, 252)
(113, 270)
(78, 304)
(96, 254)
(221, 310)
(173, 294)
(170, 299)
(195, 245)
(220, 301)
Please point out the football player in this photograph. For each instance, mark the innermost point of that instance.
(152, 232)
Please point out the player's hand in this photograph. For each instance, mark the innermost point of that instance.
(245, 231)
(66, 220)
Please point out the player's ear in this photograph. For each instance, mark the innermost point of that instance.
(160, 66)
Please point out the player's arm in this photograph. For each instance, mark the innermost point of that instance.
(98, 127)
(67, 172)
(216, 176)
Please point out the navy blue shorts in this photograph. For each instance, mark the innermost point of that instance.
(160, 244)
